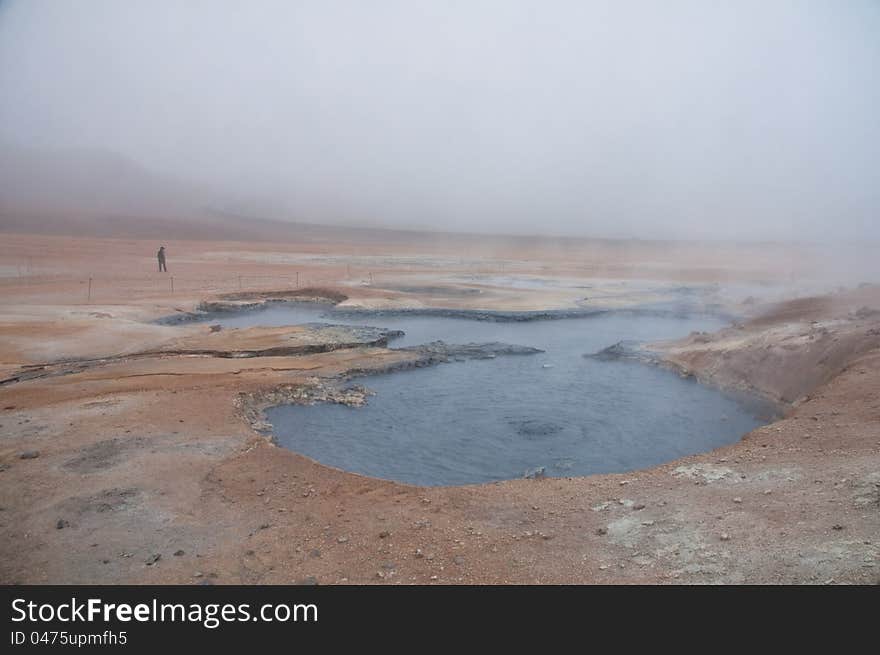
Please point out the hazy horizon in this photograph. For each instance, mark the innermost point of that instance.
(758, 121)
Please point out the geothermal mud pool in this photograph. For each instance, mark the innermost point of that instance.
(554, 413)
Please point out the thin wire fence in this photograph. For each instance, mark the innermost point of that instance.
(95, 285)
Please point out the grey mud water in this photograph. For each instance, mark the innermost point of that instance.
(489, 417)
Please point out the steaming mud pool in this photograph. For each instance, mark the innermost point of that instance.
(557, 413)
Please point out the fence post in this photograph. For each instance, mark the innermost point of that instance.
(90, 289)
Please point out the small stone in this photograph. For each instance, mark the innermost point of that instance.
(29, 454)
(418, 554)
(179, 553)
(61, 524)
(265, 526)
(309, 581)
(837, 526)
(342, 540)
(198, 574)
(725, 536)
(384, 534)
(458, 560)
(648, 523)
(152, 559)
(737, 499)
(638, 506)
(601, 531)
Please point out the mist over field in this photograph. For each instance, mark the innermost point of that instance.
(685, 119)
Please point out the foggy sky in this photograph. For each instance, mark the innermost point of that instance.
(749, 119)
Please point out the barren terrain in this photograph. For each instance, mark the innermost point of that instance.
(129, 452)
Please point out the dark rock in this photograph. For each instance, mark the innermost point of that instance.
(179, 553)
(471, 314)
(152, 559)
(61, 524)
(29, 454)
(620, 350)
(442, 351)
(535, 473)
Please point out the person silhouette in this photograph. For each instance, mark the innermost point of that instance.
(161, 257)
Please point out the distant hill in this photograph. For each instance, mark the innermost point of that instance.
(87, 192)
(98, 193)
(87, 181)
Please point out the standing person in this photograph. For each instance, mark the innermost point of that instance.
(161, 256)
